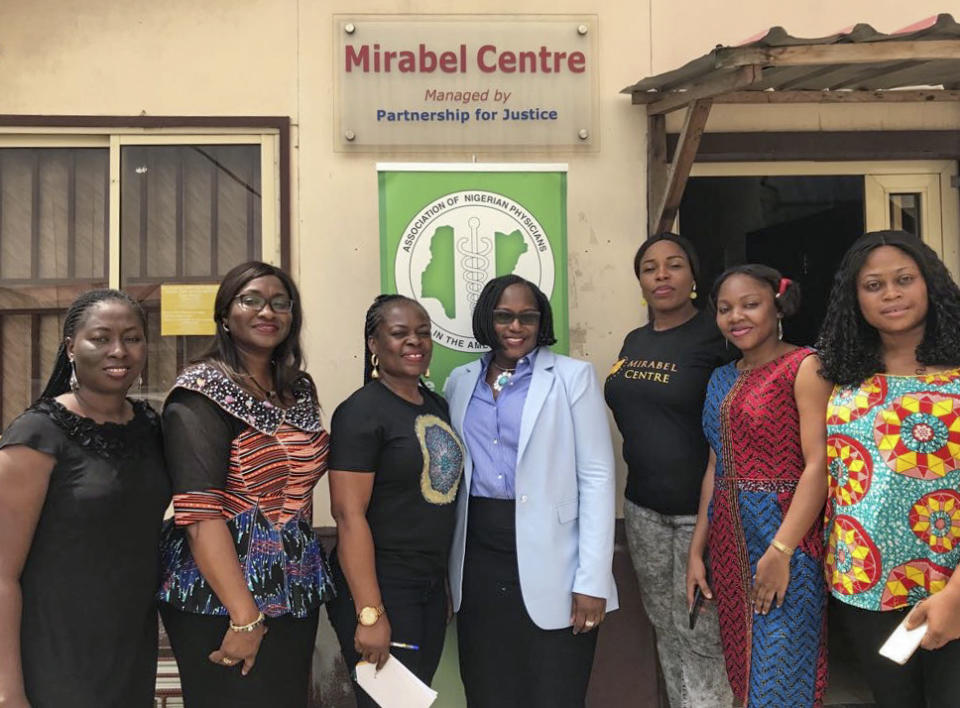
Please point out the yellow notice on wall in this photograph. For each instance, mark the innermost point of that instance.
(187, 309)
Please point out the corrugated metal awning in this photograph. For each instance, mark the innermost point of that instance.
(921, 63)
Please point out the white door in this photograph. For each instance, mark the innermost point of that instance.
(924, 204)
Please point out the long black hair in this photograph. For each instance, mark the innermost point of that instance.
(373, 321)
(786, 292)
(483, 329)
(289, 378)
(59, 381)
(850, 349)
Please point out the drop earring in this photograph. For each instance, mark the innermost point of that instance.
(426, 374)
(643, 302)
(779, 329)
(140, 386)
(74, 381)
(693, 291)
(375, 364)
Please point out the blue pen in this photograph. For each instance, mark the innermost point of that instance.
(404, 645)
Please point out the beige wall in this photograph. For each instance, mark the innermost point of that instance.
(274, 57)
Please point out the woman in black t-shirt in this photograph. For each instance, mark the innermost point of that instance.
(656, 390)
(395, 470)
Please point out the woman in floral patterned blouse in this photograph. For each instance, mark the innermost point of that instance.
(891, 346)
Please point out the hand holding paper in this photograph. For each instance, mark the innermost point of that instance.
(394, 686)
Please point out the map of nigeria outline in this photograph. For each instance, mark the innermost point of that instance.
(438, 279)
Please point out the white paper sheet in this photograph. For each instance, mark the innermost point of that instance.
(394, 686)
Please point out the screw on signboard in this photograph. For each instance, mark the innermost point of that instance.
(350, 135)
(583, 133)
(582, 30)
(350, 28)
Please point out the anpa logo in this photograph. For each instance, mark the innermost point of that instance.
(458, 242)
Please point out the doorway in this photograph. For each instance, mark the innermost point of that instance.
(799, 225)
(800, 218)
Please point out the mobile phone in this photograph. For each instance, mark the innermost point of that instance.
(698, 598)
(903, 642)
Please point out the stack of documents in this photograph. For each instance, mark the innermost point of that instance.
(394, 686)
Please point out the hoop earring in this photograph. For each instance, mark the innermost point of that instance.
(693, 291)
(225, 328)
(374, 363)
(74, 381)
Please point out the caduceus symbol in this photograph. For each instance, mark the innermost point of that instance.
(474, 261)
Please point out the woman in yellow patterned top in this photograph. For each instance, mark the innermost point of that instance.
(891, 346)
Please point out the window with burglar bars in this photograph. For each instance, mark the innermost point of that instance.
(186, 212)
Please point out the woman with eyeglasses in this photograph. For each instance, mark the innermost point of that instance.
(243, 572)
(395, 468)
(531, 568)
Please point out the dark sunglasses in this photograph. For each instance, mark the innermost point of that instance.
(505, 317)
(281, 304)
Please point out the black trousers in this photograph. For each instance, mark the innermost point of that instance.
(280, 677)
(506, 660)
(930, 679)
(417, 610)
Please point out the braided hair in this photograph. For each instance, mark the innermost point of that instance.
(850, 348)
(374, 319)
(59, 381)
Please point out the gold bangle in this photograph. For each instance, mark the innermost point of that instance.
(248, 627)
(782, 547)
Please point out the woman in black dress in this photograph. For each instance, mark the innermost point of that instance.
(82, 495)
(395, 470)
(245, 448)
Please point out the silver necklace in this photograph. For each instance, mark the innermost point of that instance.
(503, 378)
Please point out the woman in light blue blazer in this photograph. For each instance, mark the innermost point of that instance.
(531, 563)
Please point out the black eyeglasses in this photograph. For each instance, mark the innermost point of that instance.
(281, 304)
(505, 317)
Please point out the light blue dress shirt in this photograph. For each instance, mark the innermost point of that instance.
(491, 430)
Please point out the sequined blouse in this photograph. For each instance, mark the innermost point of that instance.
(253, 464)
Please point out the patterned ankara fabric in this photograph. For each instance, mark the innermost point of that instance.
(893, 513)
(274, 464)
(751, 421)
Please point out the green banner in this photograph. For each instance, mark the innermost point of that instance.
(445, 232)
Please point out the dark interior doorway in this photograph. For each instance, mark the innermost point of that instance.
(799, 225)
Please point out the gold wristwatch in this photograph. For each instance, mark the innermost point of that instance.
(369, 615)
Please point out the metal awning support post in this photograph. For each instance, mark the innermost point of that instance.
(665, 183)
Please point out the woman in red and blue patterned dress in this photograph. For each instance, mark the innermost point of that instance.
(762, 498)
